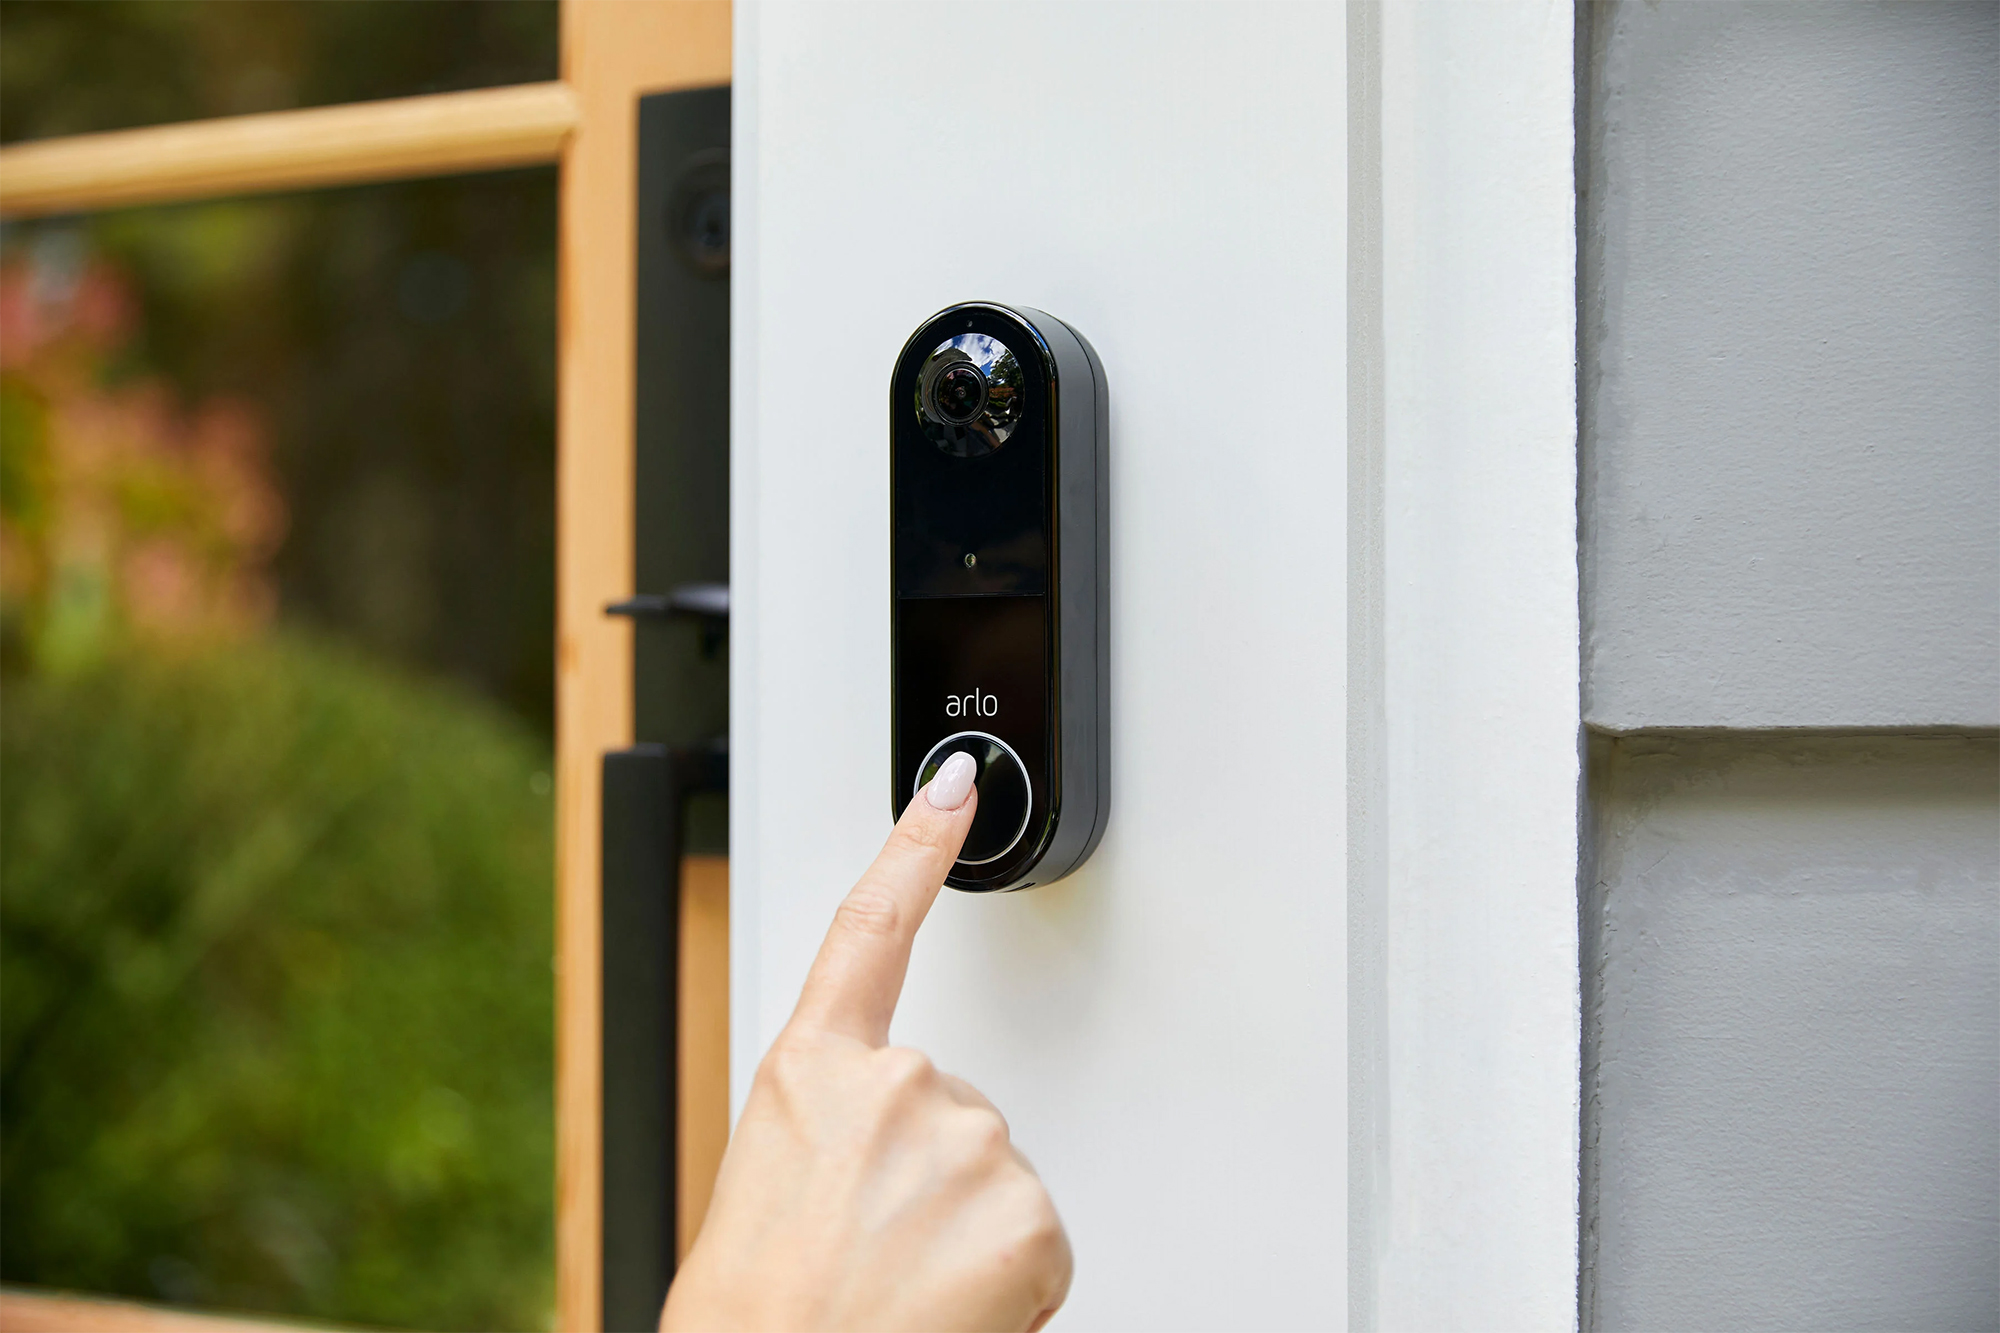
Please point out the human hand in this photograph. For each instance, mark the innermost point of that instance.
(862, 1188)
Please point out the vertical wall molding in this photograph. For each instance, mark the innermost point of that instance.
(1466, 1169)
(746, 1028)
(1367, 721)
(1593, 748)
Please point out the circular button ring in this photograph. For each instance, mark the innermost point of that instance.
(927, 768)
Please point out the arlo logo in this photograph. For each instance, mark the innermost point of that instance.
(976, 704)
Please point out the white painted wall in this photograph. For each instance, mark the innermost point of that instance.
(1166, 1029)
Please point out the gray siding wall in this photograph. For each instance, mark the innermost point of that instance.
(1795, 1052)
(1790, 533)
(1791, 327)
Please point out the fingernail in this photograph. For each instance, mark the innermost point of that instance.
(948, 790)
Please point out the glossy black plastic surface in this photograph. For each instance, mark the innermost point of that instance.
(949, 503)
(976, 663)
(997, 575)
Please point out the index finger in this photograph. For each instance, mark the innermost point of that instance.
(857, 977)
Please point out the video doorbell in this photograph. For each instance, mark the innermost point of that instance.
(998, 422)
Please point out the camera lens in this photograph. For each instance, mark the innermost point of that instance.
(959, 394)
(970, 395)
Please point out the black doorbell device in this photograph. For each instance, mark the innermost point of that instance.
(998, 423)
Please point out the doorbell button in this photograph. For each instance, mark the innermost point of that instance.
(1004, 793)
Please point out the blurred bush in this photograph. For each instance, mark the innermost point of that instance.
(275, 916)
(276, 610)
(119, 506)
(275, 1009)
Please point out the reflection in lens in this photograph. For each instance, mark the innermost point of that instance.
(970, 395)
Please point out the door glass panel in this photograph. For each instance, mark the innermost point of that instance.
(276, 622)
(68, 68)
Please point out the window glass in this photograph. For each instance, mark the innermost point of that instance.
(276, 660)
(69, 68)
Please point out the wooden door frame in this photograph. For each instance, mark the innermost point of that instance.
(613, 52)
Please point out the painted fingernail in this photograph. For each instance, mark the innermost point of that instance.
(948, 790)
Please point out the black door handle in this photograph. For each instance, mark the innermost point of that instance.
(646, 794)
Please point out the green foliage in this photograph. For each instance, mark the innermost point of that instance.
(397, 342)
(275, 919)
(275, 993)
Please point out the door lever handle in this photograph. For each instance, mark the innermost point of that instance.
(707, 603)
(700, 601)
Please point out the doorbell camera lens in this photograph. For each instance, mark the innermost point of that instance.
(970, 394)
(958, 394)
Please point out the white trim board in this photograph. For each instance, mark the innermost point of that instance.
(1466, 770)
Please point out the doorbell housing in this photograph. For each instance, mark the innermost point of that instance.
(998, 422)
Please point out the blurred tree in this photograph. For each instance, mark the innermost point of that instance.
(69, 68)
(398, 340)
